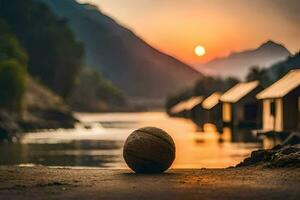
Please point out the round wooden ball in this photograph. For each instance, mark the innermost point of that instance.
(149, 150)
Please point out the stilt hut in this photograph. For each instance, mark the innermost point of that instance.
(240, 108)
(281, 104)
(209, 111)
(183, 109)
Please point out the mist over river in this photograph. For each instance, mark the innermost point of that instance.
(99, 139)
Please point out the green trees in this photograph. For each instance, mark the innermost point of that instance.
(13, 61)
(278, 70)
(10, 47)
(93, 93)
(12, 85)
(260, 74)
(207, 85)
(55, 56)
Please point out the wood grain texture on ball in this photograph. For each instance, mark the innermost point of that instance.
(149, 150)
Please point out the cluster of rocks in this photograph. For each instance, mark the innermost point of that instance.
(279, 156)
(13, 125)
(9, 125)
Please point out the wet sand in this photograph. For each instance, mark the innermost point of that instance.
(233, 183)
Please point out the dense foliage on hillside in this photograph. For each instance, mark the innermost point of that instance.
(278, 70)
(260, 74)
(267, 76)
(99, 94)
(9, 45)
(54, 55)
(12, 76)
(13, 61)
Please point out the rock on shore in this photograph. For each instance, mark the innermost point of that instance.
(9, 125)
(44, 110)
(279, 156)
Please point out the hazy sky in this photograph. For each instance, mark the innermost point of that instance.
(221, 26)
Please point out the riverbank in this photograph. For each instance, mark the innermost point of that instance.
(233, 183)
(43, 110)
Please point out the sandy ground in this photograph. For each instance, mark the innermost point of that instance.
(235, 183)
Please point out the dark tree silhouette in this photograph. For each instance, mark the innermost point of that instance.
(259, 74)
(9, 46)
(12, 76)
(13, 61)
(99, 94)
(54, 55)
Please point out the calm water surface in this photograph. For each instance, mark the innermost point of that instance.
(99, 140)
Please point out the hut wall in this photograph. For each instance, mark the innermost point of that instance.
(198, 115)
(227, 112)
(278, 126)
(249, 102)
(273, 120)
(268, 118)
(239, 113)
(291, 110)
(213, 115)
(216, 114)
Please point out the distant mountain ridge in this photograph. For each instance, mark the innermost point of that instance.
(238, 64)
(122, 57)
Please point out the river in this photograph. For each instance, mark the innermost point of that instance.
(98, 142)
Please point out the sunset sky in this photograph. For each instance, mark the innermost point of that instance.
(178, 26)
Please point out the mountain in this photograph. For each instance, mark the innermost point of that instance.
(139, 70)
(238, 64)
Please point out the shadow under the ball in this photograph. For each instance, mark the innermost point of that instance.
(133, 174)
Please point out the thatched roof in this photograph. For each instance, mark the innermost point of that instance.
(211, 101)
(187, 105)
(282, 87)
(238, 91)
